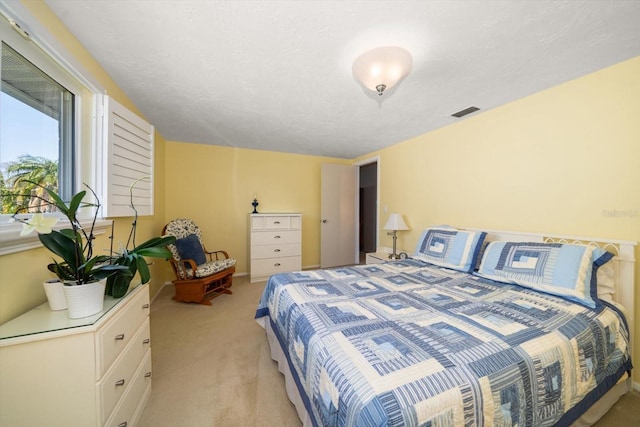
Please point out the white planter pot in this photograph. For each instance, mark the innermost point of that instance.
(85, 300)
(55, 294)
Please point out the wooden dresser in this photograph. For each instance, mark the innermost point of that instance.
(275, 244)
(93, 371)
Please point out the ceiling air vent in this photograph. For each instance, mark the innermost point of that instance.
(464, 112)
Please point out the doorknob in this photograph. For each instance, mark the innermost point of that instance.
(324, 221)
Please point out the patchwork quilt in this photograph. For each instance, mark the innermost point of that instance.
(407, 343)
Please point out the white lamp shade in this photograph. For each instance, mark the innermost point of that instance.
(395, 222)
(382, 66)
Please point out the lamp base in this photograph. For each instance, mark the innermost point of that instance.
(394, 256)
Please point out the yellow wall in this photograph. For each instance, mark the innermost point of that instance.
(560, 161)
(22, 273)
(215, 186)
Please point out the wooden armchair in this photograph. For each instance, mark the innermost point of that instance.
(200, 274)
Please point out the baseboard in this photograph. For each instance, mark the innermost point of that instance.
(154, 296)
(636, 386)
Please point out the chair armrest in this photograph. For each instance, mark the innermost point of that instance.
(216, 254)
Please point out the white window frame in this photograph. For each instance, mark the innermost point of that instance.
(39, 46)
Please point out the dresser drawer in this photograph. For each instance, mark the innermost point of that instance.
(269, 266)
(141, 383)
(275, 237)
(276, 251)
(118, 378)
(271, 222)
(114, 337)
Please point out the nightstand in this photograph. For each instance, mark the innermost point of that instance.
(378, 257)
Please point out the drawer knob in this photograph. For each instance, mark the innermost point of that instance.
(147, 375)
(145, 306)
(123, 424)
(276, 237)
(146, 341)
(276, 250)
(119, 383)
(119, 337)
(277, 264)
(276, 222)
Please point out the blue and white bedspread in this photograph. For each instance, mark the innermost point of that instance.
(408, 344)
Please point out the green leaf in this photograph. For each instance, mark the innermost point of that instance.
(61, 245)
(75, 204)
(60, 204)
(62, 271)
(154, 252)
(143, 269)
(160, 242)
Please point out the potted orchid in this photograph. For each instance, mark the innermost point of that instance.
(80, 269)
(133, 259)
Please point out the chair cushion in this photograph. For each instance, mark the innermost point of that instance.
(211, 267)
(190, 248)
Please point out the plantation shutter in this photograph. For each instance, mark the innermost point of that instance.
(129, 159)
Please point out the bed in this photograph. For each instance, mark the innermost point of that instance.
(476, 328)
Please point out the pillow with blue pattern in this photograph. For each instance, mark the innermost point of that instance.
(190, 248)
(565, 270)
(449, 247)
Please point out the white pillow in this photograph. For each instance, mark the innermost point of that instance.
(606, 282)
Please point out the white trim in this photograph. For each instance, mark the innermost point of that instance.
(11, 241)
(47, 41)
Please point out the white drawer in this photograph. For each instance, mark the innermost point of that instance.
(118, 378)
(269, 266)
(277, 222)
(275, 237)
(115, 336)
(276, 251)
(141, 383)
(270, 222)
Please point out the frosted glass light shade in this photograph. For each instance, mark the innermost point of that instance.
(381, 68)
(395, 222)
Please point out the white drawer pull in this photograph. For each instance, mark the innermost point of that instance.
(146, 341)
(119, 383)
(147, 375)
(276, 237)
(145, 306)
(276, 250)
(119, 337)
(277, 264)
(123, 424)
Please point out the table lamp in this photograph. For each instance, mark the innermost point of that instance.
(395, 223)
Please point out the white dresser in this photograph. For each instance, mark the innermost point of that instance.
(275, 244)
(93, 371)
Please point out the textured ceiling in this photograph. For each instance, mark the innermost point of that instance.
(276, 75)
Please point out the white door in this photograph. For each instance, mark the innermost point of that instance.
(338, 216)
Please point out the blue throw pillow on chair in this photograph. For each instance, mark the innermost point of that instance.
(190, 248)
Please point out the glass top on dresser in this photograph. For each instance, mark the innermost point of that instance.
(41, 319)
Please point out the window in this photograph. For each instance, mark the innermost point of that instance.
(36, 133)
(76, 139)
(58, 103)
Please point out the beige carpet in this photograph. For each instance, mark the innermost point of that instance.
(211, 367)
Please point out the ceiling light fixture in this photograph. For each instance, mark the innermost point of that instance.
(382, 68)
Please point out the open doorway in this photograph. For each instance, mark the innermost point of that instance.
(368, 208)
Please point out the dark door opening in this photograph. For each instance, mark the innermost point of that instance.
(368, 195)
